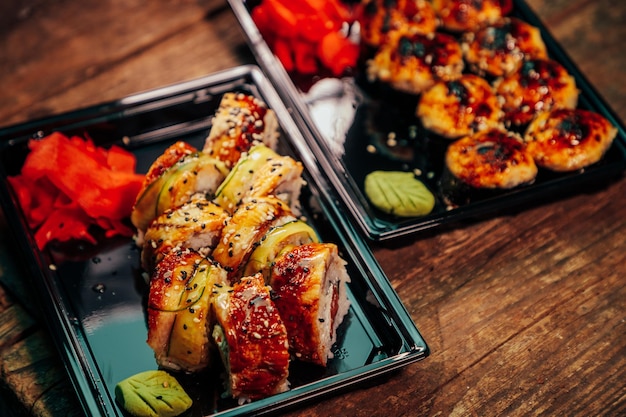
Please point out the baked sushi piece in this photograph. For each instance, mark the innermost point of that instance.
(469, 15)
(241, 121)
(500, 48)
(309, 284)
(196, 224)
(262, 172)
(539, 85)
(490, 160)
(249, 224)
(412, 63)
(378, 18)
(251, 339)
(460, 107)
(566, 140)
(179, 310)
(179, 173)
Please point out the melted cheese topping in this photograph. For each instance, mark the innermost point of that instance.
(491, 159)
(568, 140)
(413, 63)
(460, 107)
(467, 15)
(539, 85)
(378, 18)
(500, 48)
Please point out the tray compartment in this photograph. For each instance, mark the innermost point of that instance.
(94, 296)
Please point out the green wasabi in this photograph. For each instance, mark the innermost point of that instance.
(152, 394)
(398, 193)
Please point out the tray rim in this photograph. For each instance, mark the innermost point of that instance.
(376, 229)
(68, 335)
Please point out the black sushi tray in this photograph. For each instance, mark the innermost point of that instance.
(93, 298)
(347, 118)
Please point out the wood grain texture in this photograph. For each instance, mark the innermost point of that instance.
(524, 311)
(76, 54)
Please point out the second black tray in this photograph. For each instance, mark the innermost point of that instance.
(345, 117)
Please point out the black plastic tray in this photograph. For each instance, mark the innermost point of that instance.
(346, 115)
(94, 299)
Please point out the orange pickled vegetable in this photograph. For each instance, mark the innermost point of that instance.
(337, 53)
(68, 185)
(306, 35)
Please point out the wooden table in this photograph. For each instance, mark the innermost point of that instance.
(525, 313)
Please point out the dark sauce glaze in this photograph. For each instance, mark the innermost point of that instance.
(462, 10)
(503, 38)
(470, 15)
(478, 107)
(540, 80)
(432, 50)
(576, 128)
(494, 154)
(251, 114)
(293, 281)
(257, 339)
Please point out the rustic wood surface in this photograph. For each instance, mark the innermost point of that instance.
(525, 312)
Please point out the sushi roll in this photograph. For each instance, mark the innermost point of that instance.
(196, 224)
(412, 63)
(262, 172)
(241, 121)
(487, 161)
(213, 233)
(461, 107)
(539, 85)
(378, 18)
(164, 161)
(249, 224)
(469, 15)
(251, 339)
(566, 140)
(309, 284)
(276, 241)
(179, 310)
(172, 180)
(500, 48)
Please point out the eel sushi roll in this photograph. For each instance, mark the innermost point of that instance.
(309, 284)
(196, 224)
(251, 339)
(244, 231)
(484, 163)
(179, 173)
(241, 121)
(566, 140)
(179, 310)
(259, 173)
(274, 243)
